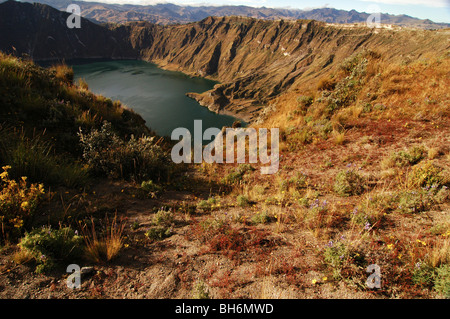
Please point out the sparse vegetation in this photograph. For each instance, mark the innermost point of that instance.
(103, 244)
(52, 247)
(363, 180)
(19, 202)
(109, 155)
(163, 218)
(200, 291)
(158, 233)
(349, 182)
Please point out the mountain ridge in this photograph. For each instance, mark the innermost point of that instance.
(175, 14)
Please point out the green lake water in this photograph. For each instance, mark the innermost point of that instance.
(156, 94)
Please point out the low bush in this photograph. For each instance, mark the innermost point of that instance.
(425, 175)
(304, 102)
(52, 247)
(163, 218)
(413, 156)
(242, 201)
(442, 281)
(237, 174)
(428, 276)
(207, 205)
(200, 291)
(18, 204)
(138, 158)
(150, 187)
(349, 183)
(159, 233)
(414, 201)
(261, 218)
(342, 259)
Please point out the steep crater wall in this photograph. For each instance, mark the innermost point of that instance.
(257, 60)
(254, 60)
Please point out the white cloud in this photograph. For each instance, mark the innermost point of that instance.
(428, 3)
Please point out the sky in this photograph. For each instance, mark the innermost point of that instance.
(435, 10)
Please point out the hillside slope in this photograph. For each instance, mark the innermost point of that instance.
(363, 179)
(256, 60)
(41, 32)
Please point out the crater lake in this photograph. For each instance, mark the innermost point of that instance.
(158, 95)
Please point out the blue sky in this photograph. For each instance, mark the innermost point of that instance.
(435, 10)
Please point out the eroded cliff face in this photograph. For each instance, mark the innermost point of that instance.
(256, 60)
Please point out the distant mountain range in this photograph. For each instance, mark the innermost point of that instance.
(172, 14)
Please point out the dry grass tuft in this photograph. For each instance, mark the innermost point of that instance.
(63, 72)
(104, 246)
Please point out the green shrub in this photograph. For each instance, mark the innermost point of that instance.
(442, 195)
(207, 205)
(51, 247)
(302, 137)
(242, 201)
(414, 201)
(304, 102)
(244, 168)
(413, 156)
(159, 233)
(200, 291)
(163, 217)
(211, 224)
(335, 254)
(442, 281)
(380, 203)
(204, 205)
(428, 276)
(425, 175)
(323, 128)
(149, 186)
(261, 218)
(339, 255)
(423, 275)
(349, 183)
(237, 174)
(140, 159)
(346, 90)
(232, 177)
(421, 199)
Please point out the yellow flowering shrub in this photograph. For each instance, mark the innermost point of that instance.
(425, 174)
(18, 202)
